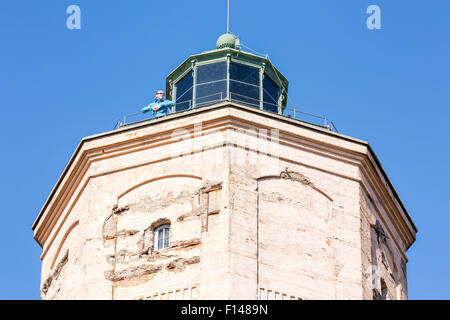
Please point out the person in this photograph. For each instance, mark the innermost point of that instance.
(160, 107)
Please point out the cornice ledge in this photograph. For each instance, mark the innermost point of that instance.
(393, 207)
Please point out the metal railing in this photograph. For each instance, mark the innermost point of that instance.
(200, 102)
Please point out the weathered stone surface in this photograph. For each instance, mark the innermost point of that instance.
(298, 224)
(186, 243)
(133, 272)
(110, 228)
(55, 274)
(181, 263)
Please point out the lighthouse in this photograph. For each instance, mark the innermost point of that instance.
(233, 195)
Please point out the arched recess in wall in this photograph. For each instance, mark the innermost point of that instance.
(164, 185)
(72, 227)
(298, 177)
(293, 237)
(157, 200)
(136, 186)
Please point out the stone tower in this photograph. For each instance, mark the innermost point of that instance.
(231, 196)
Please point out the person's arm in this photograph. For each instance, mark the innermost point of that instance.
(167, 104)
(148, 108)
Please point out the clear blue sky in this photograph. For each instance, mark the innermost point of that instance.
(389, 87)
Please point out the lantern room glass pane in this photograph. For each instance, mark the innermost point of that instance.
(244, 84)
(211, 92)
(245, 93)
(271, 93)
(211, 85)
(184, 92)
(211, 72)
(244, 73)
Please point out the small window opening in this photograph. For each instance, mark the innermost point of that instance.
(162, 236)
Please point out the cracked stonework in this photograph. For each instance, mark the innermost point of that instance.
(55, 274)
(179, 264)
(210, 185)
(146, 254)
(295, 176)
(133, 272)
(149, 269)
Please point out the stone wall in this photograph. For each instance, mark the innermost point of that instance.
(290, 214)
(384, 264)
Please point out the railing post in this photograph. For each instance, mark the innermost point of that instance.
(194, 83)
(228, 98)
(261, 86)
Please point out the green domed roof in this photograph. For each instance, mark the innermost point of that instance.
(226, 40)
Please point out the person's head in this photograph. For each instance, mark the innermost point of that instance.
(159, 95)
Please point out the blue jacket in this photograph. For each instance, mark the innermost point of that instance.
(165, 106)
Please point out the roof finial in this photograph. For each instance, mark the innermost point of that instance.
(228, 17)
(227, 40)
